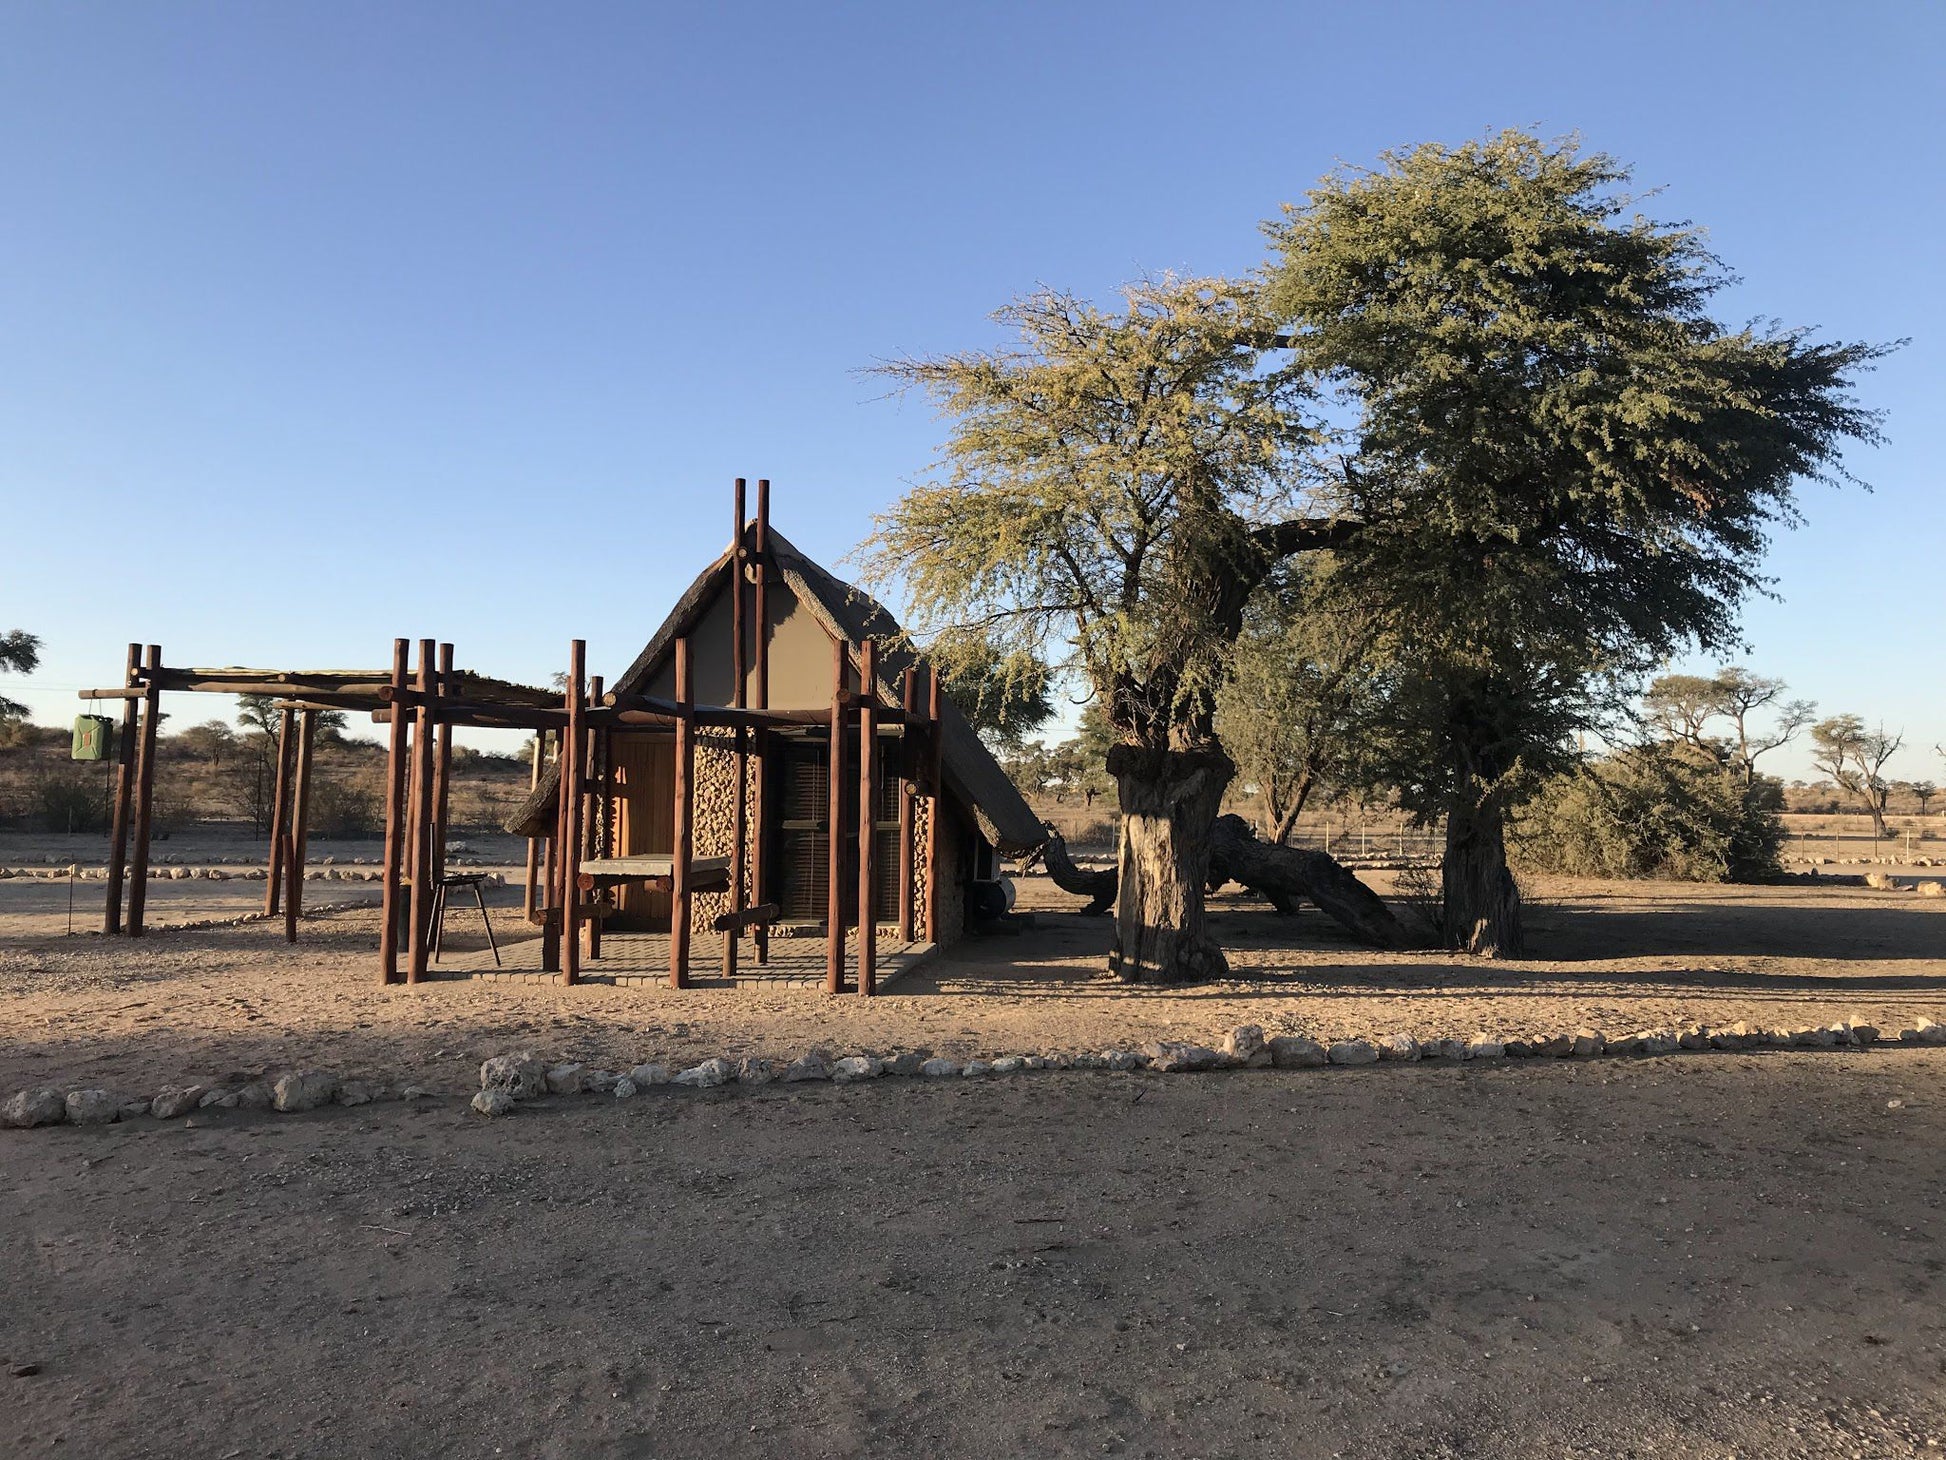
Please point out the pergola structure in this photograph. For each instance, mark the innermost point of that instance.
(567, 871)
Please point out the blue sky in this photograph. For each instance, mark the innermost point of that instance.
(322, 322)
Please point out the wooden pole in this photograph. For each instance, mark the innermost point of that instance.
(760, 740)
(574, 773)
(739, 697)
(834, 933)
(909, 700)
(388, 933)
(443, 767)
(424, 734)
(280, 801)
(296, 828)
(138, 870)
(867, 817)
(533, 842)
(597, 779)
(935, 804)
(683, 834)
(111, 922)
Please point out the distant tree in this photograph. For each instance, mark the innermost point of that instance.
(1855, 758)
(1924, 791)
(212, 742)
(1303, 672)
(1681, 707)
(260, 713)
(20, 653)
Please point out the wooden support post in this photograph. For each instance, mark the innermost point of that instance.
(867, 817)
(682, 836)
(424, 735)
(111, 922)
(740, 771)
(834, 931)
(909, 701)
(574, 771)
(935, 804)
(442, 767)
(760, 740)
(527, 900)
(296, 825)
(594, 802)
(395, 831)
(138, 868)
(280, 804)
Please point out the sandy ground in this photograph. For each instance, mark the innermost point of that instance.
(1710, 1256)
(202, 1006)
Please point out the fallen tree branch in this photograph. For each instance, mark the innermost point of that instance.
(1275, 873)
(1097, 886)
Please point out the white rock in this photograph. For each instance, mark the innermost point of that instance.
(1353, 1052)
(93, 1107)
(221, 1098)
(1123, 1060)
(26, 1108)
(257, 1095)
(813, 1065)
(1177, 1057)
(1398, 1047)
(939, 1069)
(975, 1069)
(599, 1081)
(1295, 1051)
(178, 1101)
(1485, 1047)
(1009, 1064)
(853, 1068)
(565, 1079)
(1929, 1032)
(304, 1090)
(624, 1088)
(1446, 1049)
(1587, 1042)
(1862, 1033)
(753, 1070)
(906, 1062)
(1245, 1045)
(493, 1102)
(649, 1074)
(522, 1076)
(1659, 1041)
(356, 1092)
(709, 1074)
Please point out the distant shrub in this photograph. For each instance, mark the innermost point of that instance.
(1653, 811)
(341, 812)
(68, 798)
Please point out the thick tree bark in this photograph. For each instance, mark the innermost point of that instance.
(1282, 873)
(1481, 902)
(1098, 885)
(1169, 802)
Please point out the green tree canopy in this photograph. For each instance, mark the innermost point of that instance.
(1566, 467)
(20, 653)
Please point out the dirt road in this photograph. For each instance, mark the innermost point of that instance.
(1735, 1255)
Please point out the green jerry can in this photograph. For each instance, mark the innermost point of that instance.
(94, 738)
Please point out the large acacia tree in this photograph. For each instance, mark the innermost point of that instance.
(1113, 489)
(1567, 468)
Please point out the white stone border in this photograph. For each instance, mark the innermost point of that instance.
(507, 1080)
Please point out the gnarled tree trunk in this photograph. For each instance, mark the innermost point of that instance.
(1276, 872)
(1096, 884)
(1169, 802)
(1481, 904)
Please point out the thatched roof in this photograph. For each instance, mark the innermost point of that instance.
(848, 614)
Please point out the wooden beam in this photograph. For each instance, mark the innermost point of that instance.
(138, 869)
(740, 760)
(574, 748)
(533, 843)
(111, 922)
(760, 607)
(596, 801)
(867, 818)
(683, 832)
(395, 810)
(424, 735)
(280, 800)
(909, 697)
(935, 805)
(834, 951)
(296, 827)
(442, 769)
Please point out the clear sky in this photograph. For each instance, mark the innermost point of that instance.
(326, 323)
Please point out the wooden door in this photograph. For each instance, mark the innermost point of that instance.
(801, 847)
(644, 821)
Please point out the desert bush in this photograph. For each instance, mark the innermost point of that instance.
(1654, 811)
(342, 812)
(68, 798)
